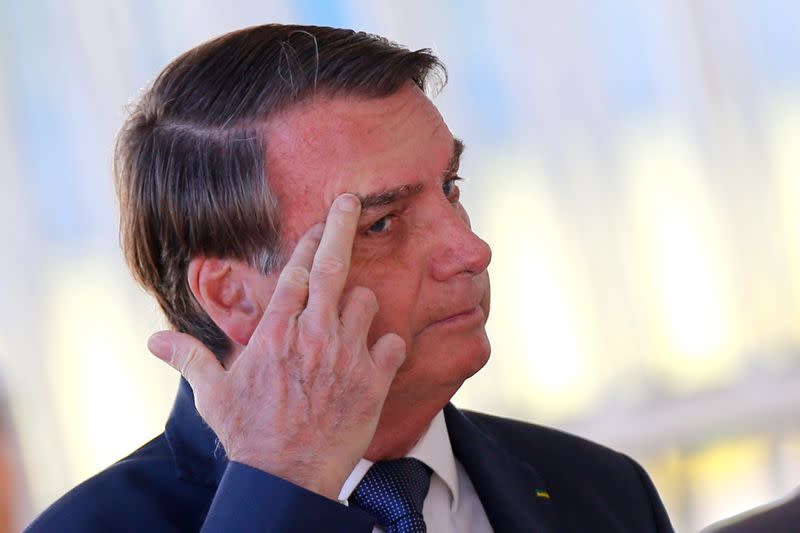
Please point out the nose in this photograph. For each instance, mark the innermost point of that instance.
(457, 249)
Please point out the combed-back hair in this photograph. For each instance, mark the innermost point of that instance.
(189, 162)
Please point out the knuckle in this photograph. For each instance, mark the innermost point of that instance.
(296, 275)
(315, 335)
(188, 361)
(329, 265)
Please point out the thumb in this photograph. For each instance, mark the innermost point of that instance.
(187, 355)
(389, 352)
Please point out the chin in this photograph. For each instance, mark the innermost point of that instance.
(439, 364)
(463, 359)
(479, 354)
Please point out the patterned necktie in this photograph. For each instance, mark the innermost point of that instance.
(393, 492)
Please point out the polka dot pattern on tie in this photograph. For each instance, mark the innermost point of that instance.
(393, 492)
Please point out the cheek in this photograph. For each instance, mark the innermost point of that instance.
(397, 293)
(395, 270)
(396, 311)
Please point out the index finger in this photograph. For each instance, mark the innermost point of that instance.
(332, 260)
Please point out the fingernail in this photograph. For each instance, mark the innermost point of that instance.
(160, 346)
(348, 202)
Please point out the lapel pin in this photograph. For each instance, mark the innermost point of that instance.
(541, 493)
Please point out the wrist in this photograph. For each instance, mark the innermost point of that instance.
(323, 481)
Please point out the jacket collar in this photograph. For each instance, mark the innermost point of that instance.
(198, 455)
(513, 494)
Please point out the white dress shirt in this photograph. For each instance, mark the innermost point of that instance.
(452, 505)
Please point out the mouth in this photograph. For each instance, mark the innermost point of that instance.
(467, 317)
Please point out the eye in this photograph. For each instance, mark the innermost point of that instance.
(451, 190)
(382, 225)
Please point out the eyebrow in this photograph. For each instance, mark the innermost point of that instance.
(389, 196)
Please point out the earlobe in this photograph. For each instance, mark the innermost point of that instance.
(222, 288)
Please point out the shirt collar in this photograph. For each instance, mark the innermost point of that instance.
(433, 449)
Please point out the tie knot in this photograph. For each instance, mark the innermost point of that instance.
(393, 492)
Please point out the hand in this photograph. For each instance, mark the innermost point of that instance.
(303, 398)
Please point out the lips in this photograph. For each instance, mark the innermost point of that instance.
(462, 307)
(458, 314)
(463, 317)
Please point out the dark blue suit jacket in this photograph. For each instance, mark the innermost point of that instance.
(529, 478)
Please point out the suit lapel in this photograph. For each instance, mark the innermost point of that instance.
(511, 491)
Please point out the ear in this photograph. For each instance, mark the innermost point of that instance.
(231, 292)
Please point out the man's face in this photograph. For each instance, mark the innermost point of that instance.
(414, 247)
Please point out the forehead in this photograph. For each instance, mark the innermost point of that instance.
(330, 145)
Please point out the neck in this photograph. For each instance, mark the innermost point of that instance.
(403, 421)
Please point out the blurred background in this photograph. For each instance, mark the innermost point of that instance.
(635, 166)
